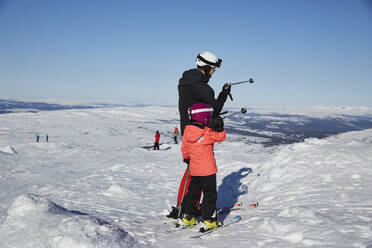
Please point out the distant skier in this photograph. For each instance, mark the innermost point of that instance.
(176, 133)
(37, 138)
(157, 138)
(47, 138)
(197, 147)
(193, 88)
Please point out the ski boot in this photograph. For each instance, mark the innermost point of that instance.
(211, 223)
(174, 213)
(188, 220)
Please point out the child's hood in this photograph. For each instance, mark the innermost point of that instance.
(193, 133)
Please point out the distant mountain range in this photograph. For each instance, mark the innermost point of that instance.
(278, 128)
(257, 126)
(12, 106)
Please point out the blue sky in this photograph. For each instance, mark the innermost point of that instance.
(300, 53)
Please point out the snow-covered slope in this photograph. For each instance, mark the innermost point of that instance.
(93, 185)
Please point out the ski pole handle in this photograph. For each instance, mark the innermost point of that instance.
(227, 87)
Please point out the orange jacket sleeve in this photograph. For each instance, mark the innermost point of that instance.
(213, 136)
(185, 149)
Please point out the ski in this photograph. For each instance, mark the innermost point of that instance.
(179, 227)
(237, 206)
(220, 211)
(203, 232)
(166, 220)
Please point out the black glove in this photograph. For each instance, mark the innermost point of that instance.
(187, 161)
(217, 123)
(226, 88)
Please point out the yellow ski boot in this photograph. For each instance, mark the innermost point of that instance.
(188, 220)
(211, 223)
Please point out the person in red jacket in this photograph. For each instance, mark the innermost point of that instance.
(157, 138)
(197, 147)
(175, 132)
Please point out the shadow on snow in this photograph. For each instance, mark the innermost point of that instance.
(230, 189)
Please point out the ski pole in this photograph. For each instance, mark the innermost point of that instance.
(251, 80)
(226, 85)
(243, 111)
(184, 189)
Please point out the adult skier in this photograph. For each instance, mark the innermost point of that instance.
(193, 88)
(157, 138)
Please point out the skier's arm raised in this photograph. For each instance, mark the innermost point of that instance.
(206, 95)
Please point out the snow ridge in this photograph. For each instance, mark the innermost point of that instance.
(45, 222)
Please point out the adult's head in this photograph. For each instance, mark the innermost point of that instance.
(207, 63)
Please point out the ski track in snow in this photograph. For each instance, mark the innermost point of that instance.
(92, 184)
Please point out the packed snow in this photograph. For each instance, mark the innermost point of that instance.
(94, 185)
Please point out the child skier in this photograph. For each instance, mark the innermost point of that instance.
(197, 146)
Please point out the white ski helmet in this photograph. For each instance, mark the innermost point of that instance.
(209, 59)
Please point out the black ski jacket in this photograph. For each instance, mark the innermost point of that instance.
(193, 88)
